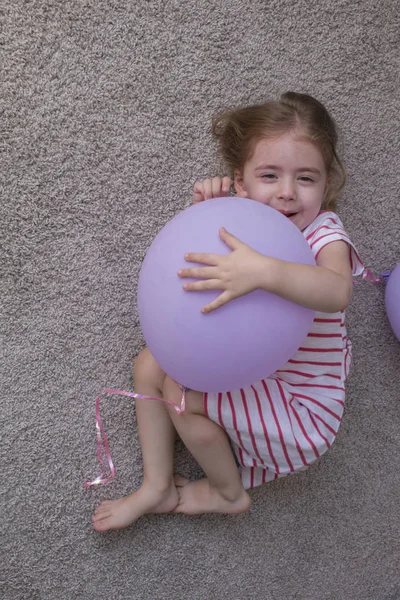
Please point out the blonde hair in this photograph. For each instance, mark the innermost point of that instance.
(238, 131)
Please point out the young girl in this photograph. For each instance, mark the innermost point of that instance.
(282, 154)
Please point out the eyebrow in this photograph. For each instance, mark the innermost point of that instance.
(276, 168)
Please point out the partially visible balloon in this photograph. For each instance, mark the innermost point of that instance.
(392, 300)
(247, 339)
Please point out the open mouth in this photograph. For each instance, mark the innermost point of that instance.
(289, 214)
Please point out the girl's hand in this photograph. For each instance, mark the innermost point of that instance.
(211, 188)
(236, 273)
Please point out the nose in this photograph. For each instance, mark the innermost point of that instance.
(286, 189)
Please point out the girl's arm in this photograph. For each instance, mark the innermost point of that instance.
(326, 287)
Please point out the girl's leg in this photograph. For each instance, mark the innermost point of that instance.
(157, 493)
(222, 490)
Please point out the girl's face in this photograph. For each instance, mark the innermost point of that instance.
(287, 173)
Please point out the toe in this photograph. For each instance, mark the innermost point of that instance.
(106, 503)
(101, 525)
(101, 510)
(101, 513)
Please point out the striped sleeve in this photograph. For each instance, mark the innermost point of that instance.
(327, 228)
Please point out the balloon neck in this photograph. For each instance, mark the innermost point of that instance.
(385, 275)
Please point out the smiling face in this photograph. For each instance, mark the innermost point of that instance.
(287, 173)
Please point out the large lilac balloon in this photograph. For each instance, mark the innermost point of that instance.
(243, 341)
(392, 300)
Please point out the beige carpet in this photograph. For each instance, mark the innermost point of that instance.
(106, 110)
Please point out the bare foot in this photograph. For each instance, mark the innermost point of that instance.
(180, 480)
(116, 514)
(197, 497)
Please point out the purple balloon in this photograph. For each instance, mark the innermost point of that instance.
(392, 300)
(245, 340)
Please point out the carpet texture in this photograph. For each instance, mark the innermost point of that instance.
(106, 108)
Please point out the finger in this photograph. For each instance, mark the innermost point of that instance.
(207, 189)
(226, 185)
(229, 239)
(198, 192)
(222, 299)
(216, 185)
(207, 284)
(202, 258)
(197, 272)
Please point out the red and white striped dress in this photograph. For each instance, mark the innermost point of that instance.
(284, 423)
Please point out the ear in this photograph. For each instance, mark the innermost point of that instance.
(327, 185)
(239, 184)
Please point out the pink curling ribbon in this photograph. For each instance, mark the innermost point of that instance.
(369, 276)
(102, 438)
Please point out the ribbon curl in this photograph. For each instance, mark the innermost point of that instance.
(102, 438)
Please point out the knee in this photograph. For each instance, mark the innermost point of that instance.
(194, 400)
(146, 368)
(204, 432)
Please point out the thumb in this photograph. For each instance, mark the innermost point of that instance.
(198, 192)
(229, 239)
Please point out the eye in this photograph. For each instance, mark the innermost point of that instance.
(306, 178)
(268, 176)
